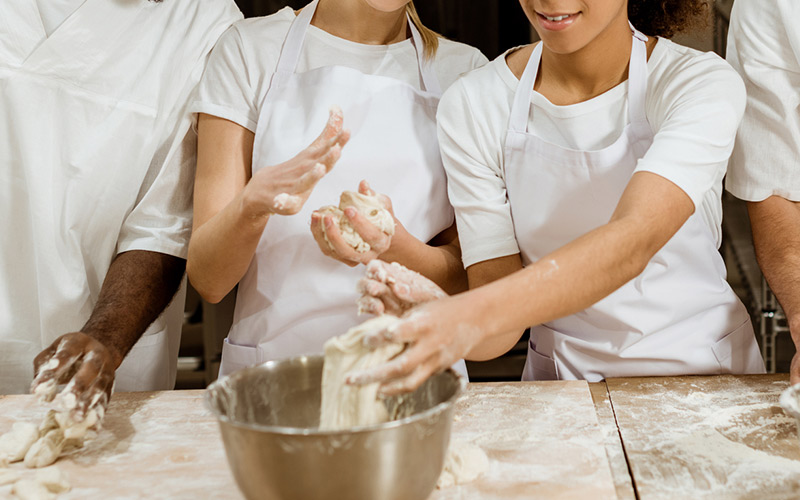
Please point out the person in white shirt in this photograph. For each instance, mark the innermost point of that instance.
(764, 47)
(97, 159)
(586, 174)
(264, 98)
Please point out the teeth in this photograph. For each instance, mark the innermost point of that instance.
(557, 18)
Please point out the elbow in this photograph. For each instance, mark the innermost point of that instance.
(206, 290)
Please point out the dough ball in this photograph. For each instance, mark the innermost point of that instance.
(30, 489)
(15, 444)
(464, 463)
(53, 479)
(368, 206)
(46, 450)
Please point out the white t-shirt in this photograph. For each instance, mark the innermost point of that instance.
(243, 61)
(694, 103)
(764, 47)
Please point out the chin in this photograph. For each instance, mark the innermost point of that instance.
(387, 5)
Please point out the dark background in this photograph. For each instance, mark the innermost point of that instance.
(474, 22)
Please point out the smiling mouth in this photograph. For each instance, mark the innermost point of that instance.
(556, 21)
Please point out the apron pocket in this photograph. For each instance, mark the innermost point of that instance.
(538, 366)
(737, 352)
(235, 357)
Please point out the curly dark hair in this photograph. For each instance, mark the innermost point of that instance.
(667, 17)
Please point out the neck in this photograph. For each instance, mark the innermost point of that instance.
(590, 71)
(357, 21)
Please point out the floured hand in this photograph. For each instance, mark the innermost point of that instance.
(284, 188)
(394, 289)
(357, 231)
(84, 366)
(439, 333)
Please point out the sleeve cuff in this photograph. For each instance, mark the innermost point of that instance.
(234, 115)
(475, 253)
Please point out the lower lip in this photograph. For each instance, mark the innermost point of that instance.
(557, 25)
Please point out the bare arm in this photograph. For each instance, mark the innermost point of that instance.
(232, 207)
(476, 324)
(776, 233)
(137, 288)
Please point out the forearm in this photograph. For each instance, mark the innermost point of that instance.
(440, 261)
(564, 282)
(220, 250)
(775, 224)
(138, 286)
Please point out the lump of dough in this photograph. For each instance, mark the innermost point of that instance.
(15, 444)
(30, 489)
(53, 479)
(46, 450)
(8, 476)
(370, 207)
(345, 406)
(463, 463)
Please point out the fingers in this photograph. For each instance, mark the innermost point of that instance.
(58, 369)
(412, 382)
(370, 305)
(318, 233)
(90, 384)
(378, 241)
(383, 294)
(329, 135)
(341, 249)
(363, 188)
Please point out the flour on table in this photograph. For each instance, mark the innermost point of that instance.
(30, 489)
(464, 463)
(343, 405)
(369, 206)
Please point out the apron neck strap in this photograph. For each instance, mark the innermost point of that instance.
(293, 45)
(637, 85)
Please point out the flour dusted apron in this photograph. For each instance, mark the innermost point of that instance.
(677, 317)
(293, 298)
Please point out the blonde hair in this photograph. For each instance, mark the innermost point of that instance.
(429, 37)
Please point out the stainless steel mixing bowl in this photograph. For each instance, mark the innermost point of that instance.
(269, 414)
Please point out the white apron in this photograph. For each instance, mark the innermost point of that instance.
(79, 127)
(677, 317)
(293, 298)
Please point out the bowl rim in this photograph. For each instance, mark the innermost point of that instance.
(315, 431)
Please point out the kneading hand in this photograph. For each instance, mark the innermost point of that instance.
(438, 334)
(378, 241)
(394, 289)
(283, 189)
(87, 368)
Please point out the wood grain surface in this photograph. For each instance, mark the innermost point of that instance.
(720, 437)
(542, 440)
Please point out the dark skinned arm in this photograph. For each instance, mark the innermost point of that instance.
(138, 286)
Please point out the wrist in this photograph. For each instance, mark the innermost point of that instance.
(102, 338)
(251, 213)
(402, 240)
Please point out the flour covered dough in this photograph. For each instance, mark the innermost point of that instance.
(464, 463)
(345, 406)
(14, 444)
(370, 207)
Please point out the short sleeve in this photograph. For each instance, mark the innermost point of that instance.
(699, 108)
(477, 191)
(161, 219)
(766, 159)
(226, 89)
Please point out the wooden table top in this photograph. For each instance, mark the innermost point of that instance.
(542, 439)
(682, 437)
(714, 437)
